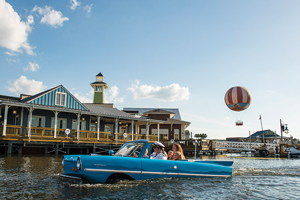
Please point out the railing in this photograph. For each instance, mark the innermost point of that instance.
(85, 135)
(187, 144)
(245, 146)
(14, 130)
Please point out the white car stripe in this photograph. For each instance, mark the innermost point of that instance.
(154, 173)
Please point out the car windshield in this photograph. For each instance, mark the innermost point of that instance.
(130, 149)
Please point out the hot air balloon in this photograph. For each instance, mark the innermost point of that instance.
(238, 99)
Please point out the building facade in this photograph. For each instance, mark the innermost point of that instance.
(172, 126)
(57, 116)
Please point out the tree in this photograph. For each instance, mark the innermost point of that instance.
(201, 135)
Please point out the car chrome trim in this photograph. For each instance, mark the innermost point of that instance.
(154, 173)
(111, 170)
(210, 175)
(160, 173)
(71, 177)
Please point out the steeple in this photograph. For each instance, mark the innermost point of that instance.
(99, 89)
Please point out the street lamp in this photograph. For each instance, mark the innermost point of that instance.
(283, 128)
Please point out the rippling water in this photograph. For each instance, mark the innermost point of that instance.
(36, 177)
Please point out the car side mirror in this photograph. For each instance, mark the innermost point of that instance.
(111, 152)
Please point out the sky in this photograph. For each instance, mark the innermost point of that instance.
(161, 54)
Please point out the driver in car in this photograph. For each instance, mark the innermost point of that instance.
(159, 152)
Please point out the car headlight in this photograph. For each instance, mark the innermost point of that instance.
(78, 164)
(62, 160)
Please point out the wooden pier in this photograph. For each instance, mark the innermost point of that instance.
(41, 140)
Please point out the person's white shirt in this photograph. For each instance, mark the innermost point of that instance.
(160, 156)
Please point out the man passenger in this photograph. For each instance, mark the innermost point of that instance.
(159, 152)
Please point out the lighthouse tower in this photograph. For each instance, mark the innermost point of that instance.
(99, 89)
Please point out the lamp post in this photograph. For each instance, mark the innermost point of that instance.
(283, 128)
(262, 129)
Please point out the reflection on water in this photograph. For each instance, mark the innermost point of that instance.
(36, 177)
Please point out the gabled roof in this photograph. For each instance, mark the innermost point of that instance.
(143, 110)
(28, 99)
(159, 111)
(47, 98)
(100, 74)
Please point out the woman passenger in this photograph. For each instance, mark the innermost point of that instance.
(170, 154)
(177, 147)
(177, 156)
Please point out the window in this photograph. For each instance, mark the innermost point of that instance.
(61, 123)
(98, 88)
(143, 131)
(82, 125)
(163, 133)
(93, 126)
(176, 134)
(17, 120)
(38, 121)
(122, 129)
(60, 99)
(108, 128)
(99, 79)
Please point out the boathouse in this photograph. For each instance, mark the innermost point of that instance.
(55, 121)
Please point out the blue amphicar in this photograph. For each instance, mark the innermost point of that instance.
(132, 162)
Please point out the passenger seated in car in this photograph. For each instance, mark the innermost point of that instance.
(177, 147)
(177, 156)
(170, 154)
(159, 152)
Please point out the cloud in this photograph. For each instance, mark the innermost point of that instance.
(88, 8)
(172, 92)
(227, 118)
(87, 98)
(50, 16)
(31, 67)
(25, 86)
(9, 60)
(13, 31)
(112, 95)
(10, 53)
(75, 4)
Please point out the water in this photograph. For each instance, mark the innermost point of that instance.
(36, 177)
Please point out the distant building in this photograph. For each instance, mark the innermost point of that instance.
(171, 128)
(268, 135)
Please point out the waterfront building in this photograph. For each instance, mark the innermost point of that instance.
(171, 128)
(55, 118)
(268, 135)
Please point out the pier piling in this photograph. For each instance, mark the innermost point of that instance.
(9, 148)
(20, 150)
(56, 149)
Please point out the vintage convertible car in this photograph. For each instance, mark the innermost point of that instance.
(132, 162)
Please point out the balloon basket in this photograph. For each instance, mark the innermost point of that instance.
(239, 123)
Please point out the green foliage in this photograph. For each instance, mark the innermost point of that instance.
(201, 135)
